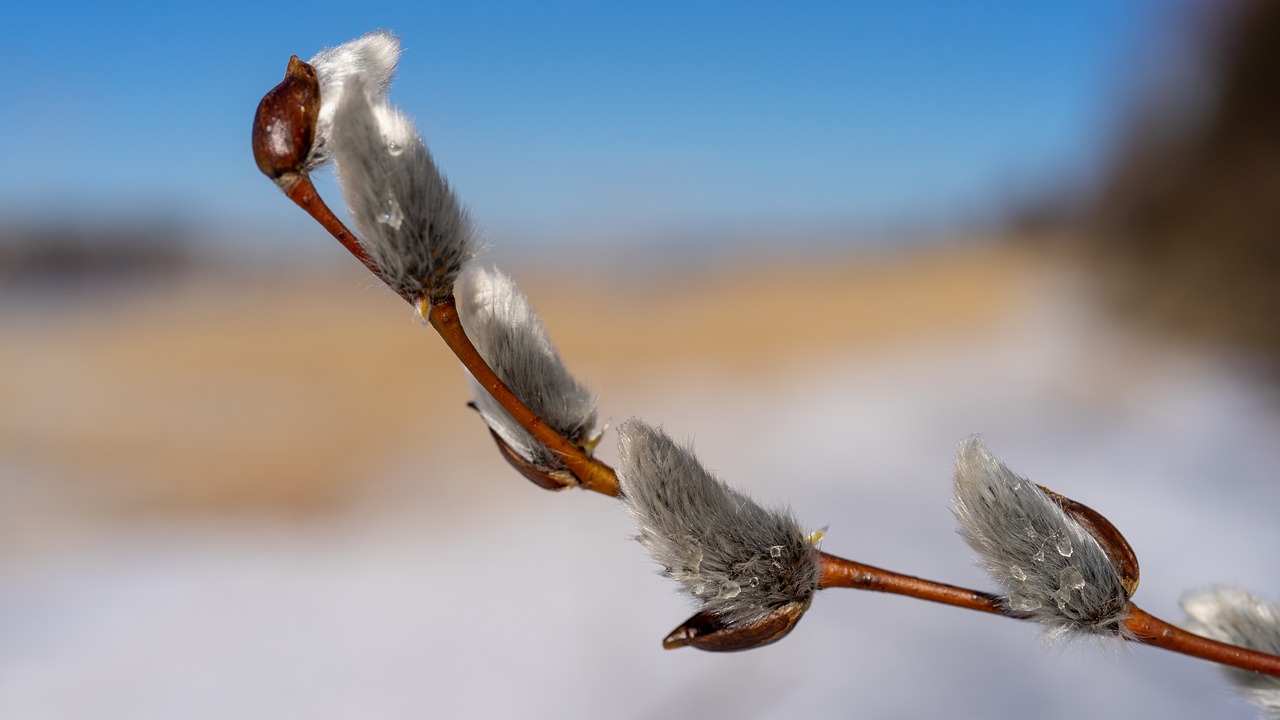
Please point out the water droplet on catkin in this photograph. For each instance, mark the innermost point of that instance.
(1064, 547)
(394, 148)
(729, 590)
(1023, 603)
(391, 214)
(1018, 573)
(1039, 556)
(1071, 579)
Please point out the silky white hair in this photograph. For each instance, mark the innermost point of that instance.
(503, 326)
(738, 559)
(1236, 616)
(411, 223)
(1050, 566)
(372, 57)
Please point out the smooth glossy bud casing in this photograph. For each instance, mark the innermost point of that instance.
(1113, 543)
(545, 479)
(284, 126)
(705, 631)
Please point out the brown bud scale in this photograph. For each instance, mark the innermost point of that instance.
(707, 631)
(285, 124)
(1113, 543)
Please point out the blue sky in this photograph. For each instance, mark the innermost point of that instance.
(568, 119)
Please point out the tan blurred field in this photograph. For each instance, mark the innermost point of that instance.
(283, 394)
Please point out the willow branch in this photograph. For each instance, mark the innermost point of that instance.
(597, 476)
(1151, 630)
(443, 316)
(1144, 628)
(302, 192)
(839, 572)
(591, 473)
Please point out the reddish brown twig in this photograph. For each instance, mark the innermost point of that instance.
(284, 128)
(1151, 630)
(597, 476)
(838, 572)
(282, 136)
(443, 316)
(283, 133)
(303, 193)
(1145, 628)
(591, 473)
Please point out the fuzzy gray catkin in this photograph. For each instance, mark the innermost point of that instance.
(739, 560)
(411, 224)
(371, 57)
(1050, 566)
(1236, 616)
(508, 334)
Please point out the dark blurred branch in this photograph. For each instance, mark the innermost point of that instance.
(1189, 217)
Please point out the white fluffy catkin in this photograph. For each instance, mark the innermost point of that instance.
(372, 57)
(411, 224)
(739, 560)
(1236, 616)
(1049, 565)
(503, 326)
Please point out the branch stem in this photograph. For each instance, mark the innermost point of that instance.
(443, 316)
(839, 572)
(591, 473)
(595, 475)
(1151, 630)
(299, 188)
(1145, 629)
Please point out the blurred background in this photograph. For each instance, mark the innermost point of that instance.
(238, 479)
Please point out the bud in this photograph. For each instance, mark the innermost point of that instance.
(372, 57)
(1236, 616)
(293, 128)
(508, 334)
(1054, 570)
(285, 123)
(411, 224)
(752, 570)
